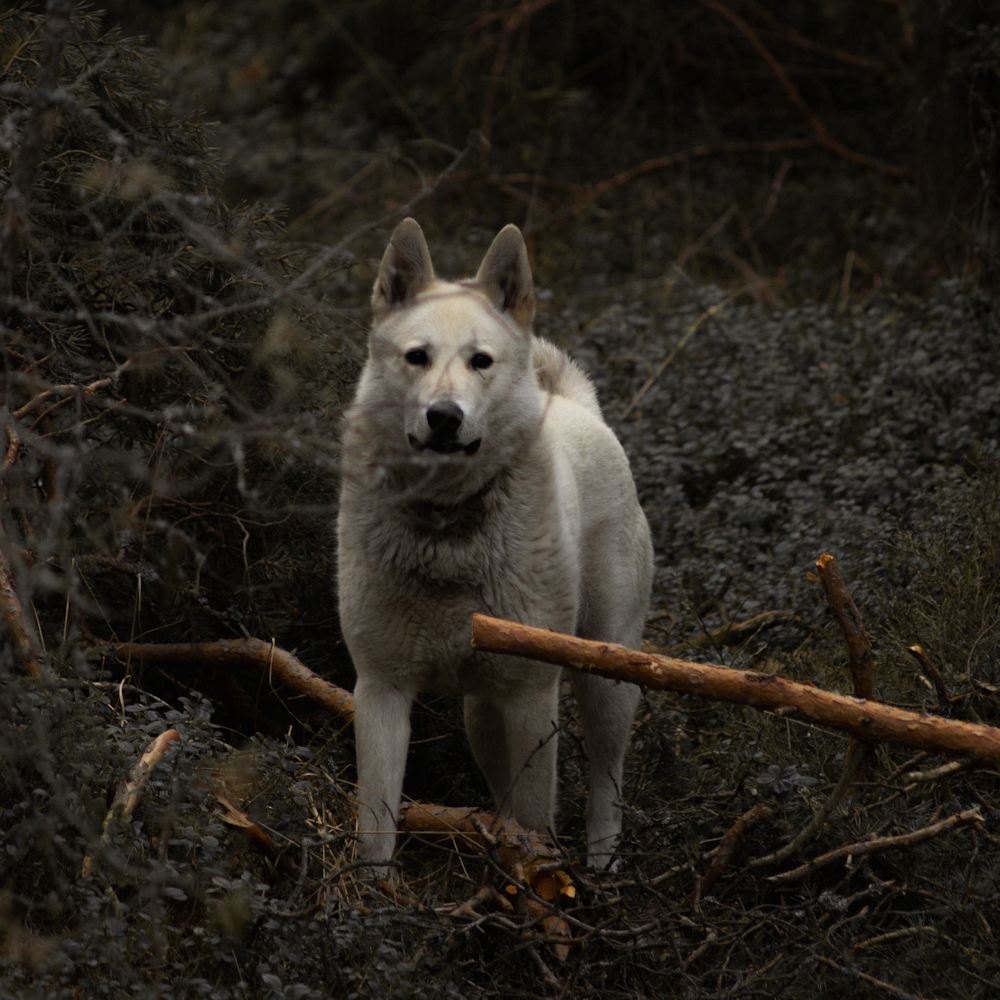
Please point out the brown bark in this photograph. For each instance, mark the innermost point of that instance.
(129, 789)
(258, 838)
(263, 656)
(19, 630)
(20, 633)
(721, 855)
(735, 633)
(931, 673)
(867, 720)
(859, 649)
(472, 831)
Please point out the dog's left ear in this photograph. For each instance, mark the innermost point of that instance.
(406, 268)
(505, 276)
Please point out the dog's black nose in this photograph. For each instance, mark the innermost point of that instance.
(444, 418)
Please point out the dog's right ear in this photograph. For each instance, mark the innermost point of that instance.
(406, 268)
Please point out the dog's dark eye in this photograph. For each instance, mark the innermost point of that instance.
(417, 357)
(481, 361)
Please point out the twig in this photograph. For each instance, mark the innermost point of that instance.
(863, 847)
(257, 837)
(709, 149)
(263, 656)
(937, 773)
(734, 633)
(859, 655)
(931, 673)
(127, 793)
(819, 129)
(852, 971)
(29, 151)
(849, 618)
(472, 831)
(19, 630)
(856, 756)
(869, 720)
(724, 851)
(707, 314)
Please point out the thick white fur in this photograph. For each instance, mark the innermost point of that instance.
(539, 524)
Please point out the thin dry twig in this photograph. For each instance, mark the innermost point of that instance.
(722, 854)
(733, 633)
(792, 92)
(856, 757)
(863, 847)
(257, 837)
(931, 673)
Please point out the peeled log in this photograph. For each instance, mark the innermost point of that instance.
(864, 719)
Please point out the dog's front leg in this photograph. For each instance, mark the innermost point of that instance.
(514, 741)
(382, 737)
(606, 712)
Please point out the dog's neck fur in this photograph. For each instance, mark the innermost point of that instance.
(433, 516)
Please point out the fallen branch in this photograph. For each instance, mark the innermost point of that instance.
(263, 656)
(931, 673)
(734, 633)
(867, 720)
(538, 884)
(879, 844)
(721, 855)
(257, 837)
(474, 832)
(859, 649)
(127, 793)
(857, 756)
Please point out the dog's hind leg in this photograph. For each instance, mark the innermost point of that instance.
(606, 711)
(515, 744)
(382, 736)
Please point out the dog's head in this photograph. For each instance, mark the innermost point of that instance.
(450, 362)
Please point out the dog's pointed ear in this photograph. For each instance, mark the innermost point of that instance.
(505, 276)
(406, 268)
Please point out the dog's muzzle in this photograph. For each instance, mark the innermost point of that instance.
(444, 421)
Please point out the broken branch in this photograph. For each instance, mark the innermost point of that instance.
(859, 649)
(129, 789)
(879, 844)
(263, 656)
(867, 720)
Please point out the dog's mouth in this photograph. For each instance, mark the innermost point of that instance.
(444, 446)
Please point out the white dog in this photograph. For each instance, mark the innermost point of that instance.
(479, 475)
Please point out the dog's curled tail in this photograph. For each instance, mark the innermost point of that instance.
(560, 375)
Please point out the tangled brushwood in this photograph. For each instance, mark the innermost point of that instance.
(169, 401)
(176, 811)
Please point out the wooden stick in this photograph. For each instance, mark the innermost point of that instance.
(931, 673)
(129, 789)
(734, 633)
(859, 658)
(859, 649)
(867, 720)
(263, 656)
(879, 844)
(476, 832)
(19, 630)
(721, 855)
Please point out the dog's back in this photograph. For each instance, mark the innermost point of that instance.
(560, 375)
